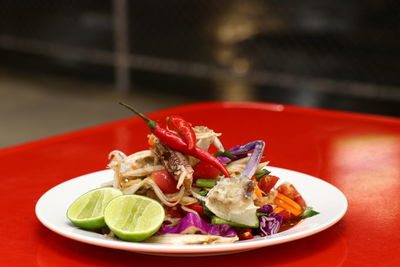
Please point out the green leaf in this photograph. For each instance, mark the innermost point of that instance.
(261, 173)
(309, 212)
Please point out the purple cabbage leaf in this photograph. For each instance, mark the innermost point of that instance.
(192, 224)
(240, 151)
(270, 224)
(266, 209)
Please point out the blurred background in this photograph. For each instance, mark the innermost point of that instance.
(65, 64)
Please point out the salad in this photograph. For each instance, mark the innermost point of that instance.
(206, 198)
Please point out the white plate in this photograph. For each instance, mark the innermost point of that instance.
(322, 196)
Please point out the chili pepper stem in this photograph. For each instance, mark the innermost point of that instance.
(152, 124)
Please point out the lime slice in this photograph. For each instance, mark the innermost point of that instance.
(87, 211)
(134, 217)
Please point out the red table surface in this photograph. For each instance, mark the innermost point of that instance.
(359, 154)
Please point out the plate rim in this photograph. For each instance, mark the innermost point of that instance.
(211, 249)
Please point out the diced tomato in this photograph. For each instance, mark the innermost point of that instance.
(196, 207)
(287, 215)
(205, 170)
(165, 181)
(290, 191)
(267, 182)
(300, 200)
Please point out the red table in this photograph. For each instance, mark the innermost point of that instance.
(359, 154)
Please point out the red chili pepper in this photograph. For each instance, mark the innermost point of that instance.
(196, 207)
(175, 142)
(177, 123)
(245, 236)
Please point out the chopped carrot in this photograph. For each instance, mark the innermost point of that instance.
(258, 193)
(284, 205)
(277, 210)
(289, 201)
(257, 190)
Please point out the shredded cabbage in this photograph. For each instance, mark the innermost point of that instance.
(192, 224)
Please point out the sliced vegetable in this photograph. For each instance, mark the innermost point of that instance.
(196, 207)
(205, 170)
(258, 193)
(277, 210)
(265, 209)
(309, 212)
(238, 152)
(192, 224)
(225, 153)
(203, 193)
(208, 212)
(165, 181)
(270, 224)
(286, 215)
(259, 174)
(284, 205)
(225, 159)
(209, 183)
(267, 182)
(289, 201)
(290, 191)
(218, 220)
(252, 164)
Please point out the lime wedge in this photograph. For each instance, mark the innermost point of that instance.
(87, 211)
(134, 217)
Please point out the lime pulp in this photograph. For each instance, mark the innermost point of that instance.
(134, 217)
(87, 211)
